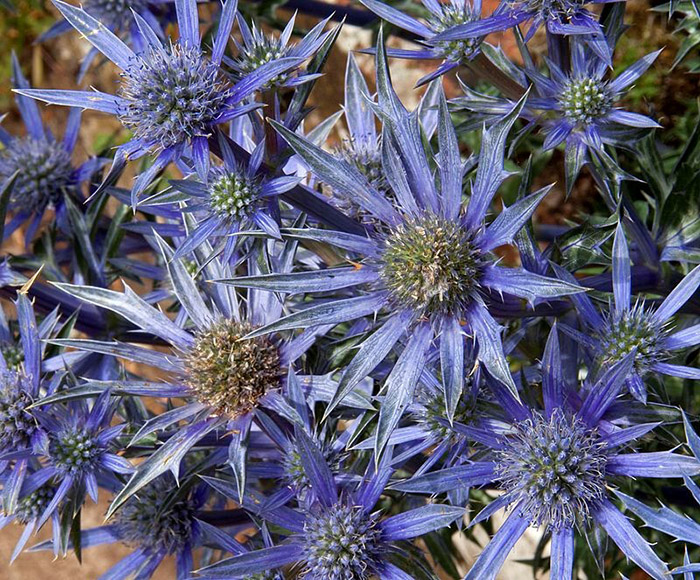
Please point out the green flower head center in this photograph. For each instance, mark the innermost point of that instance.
(233, 196)
(229, 373)
(632, 330)
(431, 265)
(585, 100)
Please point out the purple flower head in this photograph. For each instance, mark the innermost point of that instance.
(18, 426)
(259, 51)
(561, 17)
(428, 266)
(583, 104)
(335, 534)
(171, 97)
(555, 466)
(45, 168)
(640, 328)
(233, 198)
(444, 17)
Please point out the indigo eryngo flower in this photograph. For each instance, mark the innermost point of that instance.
(259, 51)
(160, 522)
(337, 536)
(562, 17)
(555, 466)
(30, 507)
(583, 101)
(610, 336)
(232, 199)
(79, 450)
(226, 378)
(21, 434)
(428, 266)
(444, 17)
(171, 97)
(44, 165)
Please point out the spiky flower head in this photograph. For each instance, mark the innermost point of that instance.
(114, 14)
(31, 507)
(556, 466)
(366, 157)
(45, 172)
(261, 50)
(632, 329)
(172, 95)
(431, 414)
(585, 99)
(17, 425)
(431, 265)
(233, 195)
(340, 543)
(231, 373)
(294, 472)
(75, 450)
(455, 13)
(157, 519)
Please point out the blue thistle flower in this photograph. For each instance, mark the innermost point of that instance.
(337, 535)
(227, 379)
(46, 174)
(232, 199)
(555, 466)
(444, 17)
(161, 521)
(172, 97)
(583, 103)
(640, 328)
(79, 450)
(259, 50)
(428, 264)
(561, 17)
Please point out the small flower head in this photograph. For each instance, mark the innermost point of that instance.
(32, 506)
(261, 50)
(431, 414)
(173, 95)
(45, 172)
(556, 466)
(156, 520)
(431, 264)
(114, 14)
(233, 195)
(341, 543)
(17, 425)
(367, 159)
(229, 373)
(75, 451)
(632, 329)
(455, 13)
(585, 100)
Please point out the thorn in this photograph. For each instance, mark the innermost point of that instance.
(28, 284)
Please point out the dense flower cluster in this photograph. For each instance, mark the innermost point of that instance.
(286, 353)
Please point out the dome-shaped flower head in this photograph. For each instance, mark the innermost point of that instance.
(46, 174)
(624, 327)
(556, 465)
(79, 453)
(160, 522)
(443, 17)
(561, 17)
(428, 269)
(233, 198)
(583, 101)
(171, 97)
(336, 535)
(258, 50)
(223, 379)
